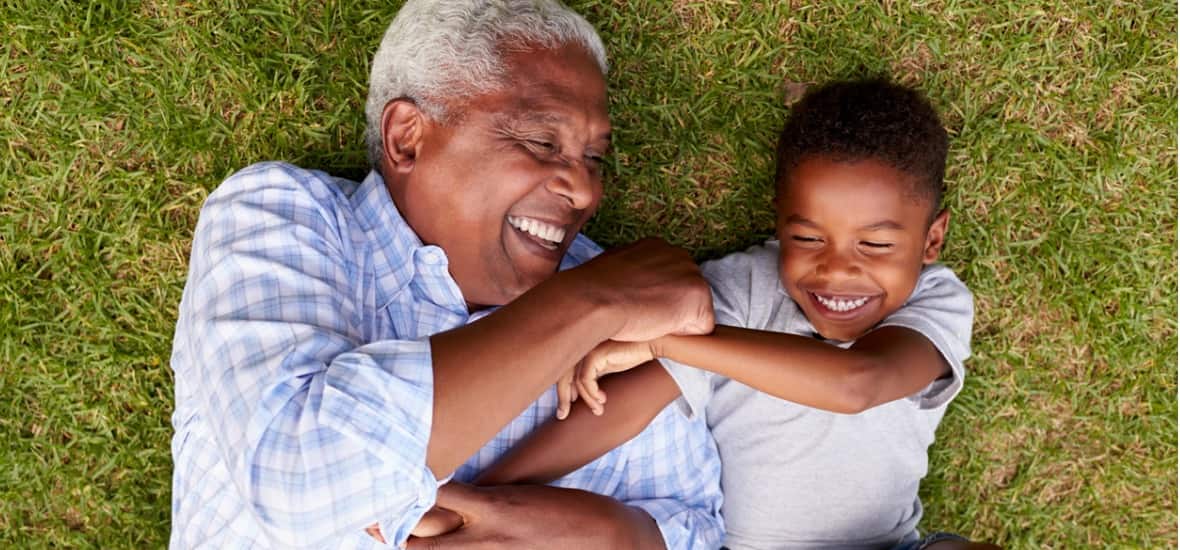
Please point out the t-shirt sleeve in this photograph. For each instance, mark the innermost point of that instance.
(732, 280)
(942, 309)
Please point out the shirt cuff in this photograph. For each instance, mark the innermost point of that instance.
(383, 393)
(683, 528)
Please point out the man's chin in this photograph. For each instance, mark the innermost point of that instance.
(509, 288)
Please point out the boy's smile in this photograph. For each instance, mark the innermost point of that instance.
(854, 238)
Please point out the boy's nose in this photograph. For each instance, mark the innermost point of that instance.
(835, 264)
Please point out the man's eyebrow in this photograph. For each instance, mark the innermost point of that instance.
(531, 116)
(539, 117)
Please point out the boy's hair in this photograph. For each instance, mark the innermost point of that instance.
(867, 119)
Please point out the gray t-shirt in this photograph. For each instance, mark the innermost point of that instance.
(798, 477)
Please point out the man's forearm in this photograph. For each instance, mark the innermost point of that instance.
(488, 372)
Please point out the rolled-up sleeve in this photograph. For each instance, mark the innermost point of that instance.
(320, 432)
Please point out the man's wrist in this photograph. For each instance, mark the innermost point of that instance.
(590, 301)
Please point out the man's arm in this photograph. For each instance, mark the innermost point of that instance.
(540, 517)
(487, 372)
(667, 480)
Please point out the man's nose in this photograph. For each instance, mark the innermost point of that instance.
(578, 183)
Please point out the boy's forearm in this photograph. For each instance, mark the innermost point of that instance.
(560, 447)
(882, 366)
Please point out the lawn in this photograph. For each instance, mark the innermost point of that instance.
(119, 118)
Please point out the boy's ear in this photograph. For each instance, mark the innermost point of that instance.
(402, 125)
(936, 237)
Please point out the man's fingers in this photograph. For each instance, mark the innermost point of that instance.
(461, 498)
(459, 539)
(374, 531)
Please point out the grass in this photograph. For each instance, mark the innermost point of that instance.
(119, 118)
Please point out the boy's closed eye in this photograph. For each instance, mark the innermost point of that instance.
(807, 240)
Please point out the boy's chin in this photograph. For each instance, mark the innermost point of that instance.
(836, 336)
(840, 334)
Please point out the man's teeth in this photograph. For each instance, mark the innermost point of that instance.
(836, 304)
(538, 229)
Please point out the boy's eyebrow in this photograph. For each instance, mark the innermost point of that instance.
(884, 224)
(796, 218)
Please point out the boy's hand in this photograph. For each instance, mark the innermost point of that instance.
(607, 358)
(567, 392)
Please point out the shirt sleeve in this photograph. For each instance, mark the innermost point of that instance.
(322, 434)
(671, 471)
(942, 309)
(731, 279)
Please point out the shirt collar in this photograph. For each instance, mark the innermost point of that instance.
(401, 260)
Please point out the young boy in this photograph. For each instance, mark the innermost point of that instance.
(838, 345)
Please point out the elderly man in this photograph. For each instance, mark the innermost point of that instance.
(339, 348)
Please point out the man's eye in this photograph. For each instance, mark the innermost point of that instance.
(878, 245)
(805, 239)
(542, 146)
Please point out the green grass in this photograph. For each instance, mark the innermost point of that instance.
(118, 118)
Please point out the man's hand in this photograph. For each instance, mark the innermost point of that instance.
(656, 288)
(534, 516)
(609, 357)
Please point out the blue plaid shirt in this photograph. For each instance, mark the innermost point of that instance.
(304, 383)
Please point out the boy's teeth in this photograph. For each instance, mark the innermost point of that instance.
(538, 229)
(841, 305)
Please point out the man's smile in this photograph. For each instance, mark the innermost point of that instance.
(544, 233)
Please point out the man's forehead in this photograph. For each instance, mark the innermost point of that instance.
(547, 112)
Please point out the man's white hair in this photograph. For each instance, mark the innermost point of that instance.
(438, 51)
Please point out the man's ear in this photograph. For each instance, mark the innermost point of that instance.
(936, 237)
(402, 125)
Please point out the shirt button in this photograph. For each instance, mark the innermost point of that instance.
(432, 255)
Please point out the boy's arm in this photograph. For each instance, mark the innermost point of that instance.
(560, 447)
(884, 365)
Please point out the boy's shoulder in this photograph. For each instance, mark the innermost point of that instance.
(757, 259)
(938, 280)
(748, 292)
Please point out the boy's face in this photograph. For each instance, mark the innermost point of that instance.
(855, 236)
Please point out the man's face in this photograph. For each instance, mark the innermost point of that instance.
(505, 189)
(854, 238)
